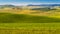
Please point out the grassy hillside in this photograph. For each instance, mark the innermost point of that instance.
(28, 24)
(21, 18)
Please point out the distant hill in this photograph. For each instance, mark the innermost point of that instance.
(44, 5)
(8, 5)
(3, 6)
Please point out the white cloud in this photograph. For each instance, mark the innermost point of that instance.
(26, 3)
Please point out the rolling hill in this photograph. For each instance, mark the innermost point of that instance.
(22, 18)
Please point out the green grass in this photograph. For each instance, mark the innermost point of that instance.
(27, 24)
(21, 18)
(30, 25)
(29, 28)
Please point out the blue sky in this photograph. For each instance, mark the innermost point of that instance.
(22, 2)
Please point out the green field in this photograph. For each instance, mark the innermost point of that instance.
(29, 20)
(28, 24)
(23, 18)
(29, 28)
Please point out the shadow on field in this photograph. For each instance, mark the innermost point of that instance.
(21, 18)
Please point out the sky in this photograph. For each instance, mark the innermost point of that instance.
(25, 2)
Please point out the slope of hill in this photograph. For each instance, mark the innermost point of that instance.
(21, 18)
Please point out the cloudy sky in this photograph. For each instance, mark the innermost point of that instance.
(25, 2)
